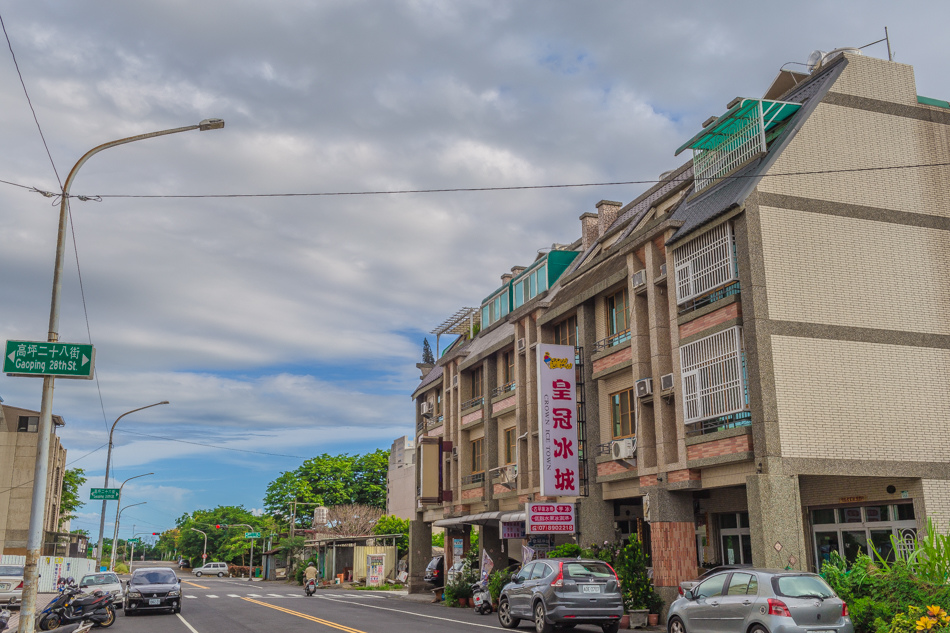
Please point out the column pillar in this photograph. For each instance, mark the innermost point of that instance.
(420, 553)
(673, 537)
(775, 522)
(489, 540)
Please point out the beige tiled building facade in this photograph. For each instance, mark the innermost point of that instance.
(763, 343)
(18, 434)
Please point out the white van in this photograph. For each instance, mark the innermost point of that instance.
(212, 569)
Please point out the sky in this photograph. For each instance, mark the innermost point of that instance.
(283, 327)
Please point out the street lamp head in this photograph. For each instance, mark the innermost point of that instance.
(164, 402)
(211, 124)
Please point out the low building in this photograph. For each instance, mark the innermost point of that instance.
(18, 435)
(762, 346)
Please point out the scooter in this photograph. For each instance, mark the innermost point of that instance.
(482, 597)
(310, 587)
(71, 606)
(4, 619)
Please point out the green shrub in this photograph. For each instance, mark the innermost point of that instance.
(497, 582)
(121, 568)
(635, 583)
(567, 550)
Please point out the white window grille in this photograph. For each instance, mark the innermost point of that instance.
(742, 144)
(713, 380)
(705, 263)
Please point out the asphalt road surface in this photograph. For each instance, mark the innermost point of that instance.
(230, 605)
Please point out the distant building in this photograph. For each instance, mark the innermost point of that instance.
(401, 480)
(18, 434)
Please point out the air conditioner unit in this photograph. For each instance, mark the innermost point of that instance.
(624, 449)
(644, 387)
(425, 408)
(662, 270)
(639, 278)
(511, 473)
(521, 345)
(455, 380)
(666, 382)
(455, 452)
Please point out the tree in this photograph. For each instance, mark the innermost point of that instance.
(427, 356)
(220, 546)
(352, 519)
(329, 480)
(73, 479)
(388, 524)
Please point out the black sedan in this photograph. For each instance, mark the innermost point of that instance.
(153, 589)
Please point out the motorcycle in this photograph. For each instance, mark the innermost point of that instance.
(310, 587)
(4, 619)
(482, 597)
(72, 606)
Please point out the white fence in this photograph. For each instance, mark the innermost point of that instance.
(52, 568)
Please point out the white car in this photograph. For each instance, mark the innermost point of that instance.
(103, 581)
(11, 584)
(212, 569)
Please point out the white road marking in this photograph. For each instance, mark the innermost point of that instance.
(254, 595)
(233, 595)
(192, 597)
(421, 615)
(211, 596)
(190, 628)
(273, 595)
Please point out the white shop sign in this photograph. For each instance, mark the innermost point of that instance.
(549, 518)
(557, 413)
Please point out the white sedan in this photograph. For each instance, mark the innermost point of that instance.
(103, 581)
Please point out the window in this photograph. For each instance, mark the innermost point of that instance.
(742, 585)
(438, 403)
(736, 538)
(508, 369)
(478, 465)
(531, 284)
(852, 530)
(477, 382)
(27, 424)
(495, 308)
(565, 332)
(713, 376)
(540, 571)
(710, 587)
(511, 450)
(620, 413)
(618, 314)
(705, 263)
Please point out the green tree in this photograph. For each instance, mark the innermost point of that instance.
(73, 479)
(220, 547)
(388, 524)
(427, 356)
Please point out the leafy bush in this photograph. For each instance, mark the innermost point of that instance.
(933, 619)
(635, 584)
(567, 550)
(121, 568)
(457, 589)
(497, 581)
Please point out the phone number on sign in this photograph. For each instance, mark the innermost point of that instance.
(552, 528)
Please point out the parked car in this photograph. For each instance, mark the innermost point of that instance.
(211, 569)
(759, 601)
(103, 581)
(562, 591)
(454, 571)
(689, 584)
(153, 589)
(435, 571)
(11, 584)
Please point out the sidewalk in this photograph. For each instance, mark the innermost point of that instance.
(42, 599)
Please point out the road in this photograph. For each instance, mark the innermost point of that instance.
(228, 605)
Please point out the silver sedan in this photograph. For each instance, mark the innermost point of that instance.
(760, 601)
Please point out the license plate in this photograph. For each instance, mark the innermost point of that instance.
(154, 601)
(590, 588)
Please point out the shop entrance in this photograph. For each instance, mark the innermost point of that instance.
(855, 529)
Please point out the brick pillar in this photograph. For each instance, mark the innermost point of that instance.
(775, 522)
(673, 537)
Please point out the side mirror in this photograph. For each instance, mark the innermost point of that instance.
(517, 579)
(689, 595)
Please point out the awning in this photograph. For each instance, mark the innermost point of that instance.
(512, 516)
(737, 118)
(470, 519)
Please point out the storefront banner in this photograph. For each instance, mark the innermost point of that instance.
(512, 529)
(375, 569)
(487, 564)
(549, 518)
(527, 555)
(557, 413)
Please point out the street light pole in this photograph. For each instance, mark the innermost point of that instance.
(34, 541)
(204, 552)
(115, 534)
(115, 541)
(102, 515)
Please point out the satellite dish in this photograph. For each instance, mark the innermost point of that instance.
(814, 60)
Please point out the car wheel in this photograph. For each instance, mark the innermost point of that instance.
(540, 624)
(220, 574)
(611, 627)
(198, 574)
(505, 619)
(676, 626)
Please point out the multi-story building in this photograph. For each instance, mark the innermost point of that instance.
(401, 479)
(18, 434)
(762, 343)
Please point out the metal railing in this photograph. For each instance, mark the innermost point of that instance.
(732, 421)
(434, 423)
(712, 297)
(612, 341)
(604, 449)
(497, 391)
(474, 402)
(477, 478)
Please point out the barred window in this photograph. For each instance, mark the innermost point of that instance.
(705, 263)
(510, 447)
(713, 380)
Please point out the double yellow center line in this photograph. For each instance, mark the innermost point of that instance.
(307, 617)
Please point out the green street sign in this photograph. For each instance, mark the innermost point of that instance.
(134, 540)
(110, 494)
(252, 535)
(39, 358)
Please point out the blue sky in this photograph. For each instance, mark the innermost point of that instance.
(292, 325)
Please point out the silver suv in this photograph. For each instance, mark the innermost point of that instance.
(559, 591)
(212, 569)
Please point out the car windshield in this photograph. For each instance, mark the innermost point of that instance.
(802, 587)
(433, 563)
(154, 577)
(588, 569)
(98, 579)
(11, 570)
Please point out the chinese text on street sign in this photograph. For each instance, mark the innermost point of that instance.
(252, 535)
(109, 494)
(549, 518)
(557, 419)
(37, 358)
(134, 540)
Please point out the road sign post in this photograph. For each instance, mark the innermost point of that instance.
(106, 494)
(133, 540)
(39, 358)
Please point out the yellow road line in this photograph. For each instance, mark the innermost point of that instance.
(194, 584)
(307, 617)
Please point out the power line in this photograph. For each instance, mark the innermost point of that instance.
(218, 446)
(26, 483)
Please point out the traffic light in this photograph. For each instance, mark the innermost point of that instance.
(156, 534)
(217, 526)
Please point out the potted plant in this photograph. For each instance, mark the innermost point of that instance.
(463, 591)
(639, 597)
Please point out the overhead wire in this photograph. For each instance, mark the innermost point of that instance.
(67, 463)
(217, 446)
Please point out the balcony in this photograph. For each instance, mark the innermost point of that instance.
(498, 391)
(474, 402)
(721, 423)
(435, 423)
(477, 478)
(612, 341)
(712, 297)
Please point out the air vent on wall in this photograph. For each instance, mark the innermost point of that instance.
(644, 387)
(666, 382)
(638, 278)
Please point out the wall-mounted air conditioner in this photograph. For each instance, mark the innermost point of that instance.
(521, 345)
(639, 278)
(644, 387)
(624, 449)
(455, 380)
(425, 408)
(666, 382)
(662, 270)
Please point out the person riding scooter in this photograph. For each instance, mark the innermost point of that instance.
(310, 574)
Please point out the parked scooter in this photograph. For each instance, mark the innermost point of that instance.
(4, 619)
(310, 587)
(482, 597)
(72, 606)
